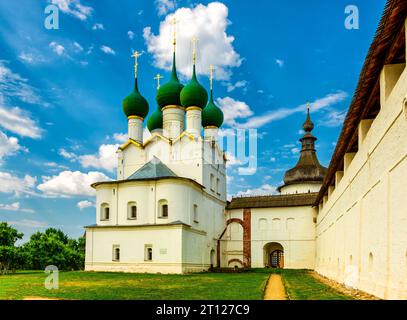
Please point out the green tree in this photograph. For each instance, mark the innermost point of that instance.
(53, 247)
(11, 257)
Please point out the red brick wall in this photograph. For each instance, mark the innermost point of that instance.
(247, 252)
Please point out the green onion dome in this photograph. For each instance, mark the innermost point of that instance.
(194, 94)
(169, 93)
(135, 104)
(155, 121)
(212, 116)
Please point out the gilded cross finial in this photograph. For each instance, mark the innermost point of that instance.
(158, 77)
(194, 41)
(308, 106)
(211, 70)
(174, 32)
(135, 55)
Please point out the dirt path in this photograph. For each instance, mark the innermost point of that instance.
(38, 298)
(356, 294)
(275, 288)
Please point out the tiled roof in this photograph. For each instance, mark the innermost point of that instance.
(286, 200)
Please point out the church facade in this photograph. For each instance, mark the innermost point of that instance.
(167, 210)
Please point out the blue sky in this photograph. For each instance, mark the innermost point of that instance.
(61, 90)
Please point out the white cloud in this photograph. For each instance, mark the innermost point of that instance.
(31, 58)
(130, 34)
(265, 189)
(121, 137)
(18, 121)
(66, 154)
(14, 207)
(12, 85)
(233, 110)
(239, 84)
(208, 24)
(327, 101)
(84, 204)
(105, 159)
(71, 183)
(8, 146)
(13, 184)
(107, 50)
(333, 119)
(74, 8)
(165, 6)
(280, 62)
(29, 223)
(98, 26)
(77, 47)
(57, 48)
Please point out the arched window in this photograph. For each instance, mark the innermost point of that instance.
(163, 209)
(263, 224)
(132, 210)
(104, 211)
(370, 265)
(290, 223)
(275, 224)
(217, 186)
(148, 252)
(116, 253)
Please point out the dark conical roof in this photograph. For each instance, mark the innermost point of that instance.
(155, 121)
(169, 93)
(308, 169)
(135, 104)
(194, 94)
(212, 115)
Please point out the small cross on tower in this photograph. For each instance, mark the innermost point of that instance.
(194, 41)
(135, 55)
(158, 77)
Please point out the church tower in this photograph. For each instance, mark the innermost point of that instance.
(166, 208)
(308, 174)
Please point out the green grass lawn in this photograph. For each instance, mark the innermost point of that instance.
(206, 286)
(300, 285)
(101, 285)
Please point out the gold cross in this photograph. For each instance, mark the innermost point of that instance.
(211, 70)
(135, 55)
(194, 41)
(308, 106)
(158, 77)
(174, 25)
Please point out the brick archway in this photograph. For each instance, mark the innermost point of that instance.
(236, 260)
(246, 225)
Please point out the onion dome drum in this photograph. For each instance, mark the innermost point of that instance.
(135, 104)
(194, 94)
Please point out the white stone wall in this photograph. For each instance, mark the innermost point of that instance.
(301, 188)
(168, 248)
(188, 250)
(292, 227)
(362, 225)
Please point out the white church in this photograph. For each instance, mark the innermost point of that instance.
(167, 211)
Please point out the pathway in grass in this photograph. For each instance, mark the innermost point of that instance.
(275, 288)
